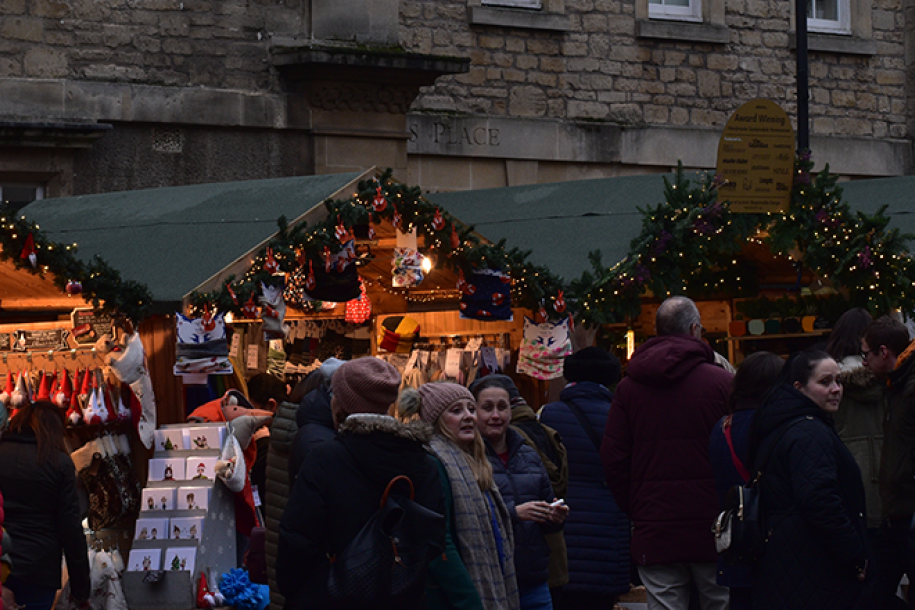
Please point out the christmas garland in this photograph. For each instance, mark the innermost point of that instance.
(23, 244)
(687, 246)
(294, 252)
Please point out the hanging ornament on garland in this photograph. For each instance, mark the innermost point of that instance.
(232, 293)
(455, 238)
(379, 203)
(371, 233)
(250, 308)
(396, 219)
(340, 232)
(310, 280)
(328, 260)
(541, 314)
(271, 266)
(74, 287)
(28, 250)
(559, 305)
(438, 223)
(207, 322)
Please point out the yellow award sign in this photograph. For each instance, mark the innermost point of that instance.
(756, 159)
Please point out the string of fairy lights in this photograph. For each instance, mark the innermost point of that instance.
(688, 245)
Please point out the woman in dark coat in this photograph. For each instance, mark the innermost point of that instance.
(755, 378)
(525, 487)
(596, 531)
(38, 483)
(341, 481)
(816, 556)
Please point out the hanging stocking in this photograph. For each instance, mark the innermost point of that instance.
(131, 368)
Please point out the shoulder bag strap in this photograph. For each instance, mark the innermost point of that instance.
(741, 469)
(589, 429)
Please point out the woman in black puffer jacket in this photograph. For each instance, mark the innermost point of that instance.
(38, 483)
(816, 556)
(526, 490)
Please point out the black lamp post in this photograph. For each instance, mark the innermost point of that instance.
(803, 120)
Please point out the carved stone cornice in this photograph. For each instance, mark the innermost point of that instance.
(359, 79)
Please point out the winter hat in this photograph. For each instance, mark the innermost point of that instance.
(503, 380)
(365, 385)
(436, 397)
(329, 367)
(592, 364)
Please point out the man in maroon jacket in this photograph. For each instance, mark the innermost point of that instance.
(655, 456)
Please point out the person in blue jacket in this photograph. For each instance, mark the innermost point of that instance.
(597, 531)
(755, 378)
(525, 487)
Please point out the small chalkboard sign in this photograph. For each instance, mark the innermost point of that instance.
(89, 325)
(5, 344)
(40, 340)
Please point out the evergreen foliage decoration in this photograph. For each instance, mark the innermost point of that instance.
(101, 284)
(381, 199)
(688, 244)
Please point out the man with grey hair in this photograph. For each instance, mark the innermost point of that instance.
(655, 457)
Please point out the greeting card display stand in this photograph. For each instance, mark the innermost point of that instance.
(171, 589)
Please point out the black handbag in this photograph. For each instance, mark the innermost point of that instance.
(385, 564)
(740, 530)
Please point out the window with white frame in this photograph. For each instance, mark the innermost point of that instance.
(829, 16)
(16, 195)
(680, 10)
(532, 4)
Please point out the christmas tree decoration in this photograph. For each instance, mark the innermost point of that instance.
(397, 219)
(455, 238)
(271, 266)
(379, 203)
(371, 230)
(74, 287)
(231, 293)
(249, 311)
(29, 252)
(542, 315)
(310, 278)
(438, 223)
(559, 305)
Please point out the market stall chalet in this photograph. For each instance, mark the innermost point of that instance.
(767, 281)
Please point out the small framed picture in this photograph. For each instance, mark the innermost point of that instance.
(151, 529)
(206, 437)
(158, 498)
(169, 439)
(199, 468)
(190, 498)
(180, 558)
(185, 528)
(143, 560)
(167, 469)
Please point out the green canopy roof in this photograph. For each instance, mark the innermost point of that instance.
(179, 239)
(562, 222)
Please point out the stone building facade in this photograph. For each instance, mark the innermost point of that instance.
(104, 95)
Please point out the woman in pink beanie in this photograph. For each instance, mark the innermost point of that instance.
(479, 518)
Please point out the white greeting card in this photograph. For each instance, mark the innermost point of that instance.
(141, 560)
(185, 528)
(209, 437)
(180, 558)
(158, 498)
(169, 439)
(199, 468)
(151, 529)
(193, 497)
(166, 469)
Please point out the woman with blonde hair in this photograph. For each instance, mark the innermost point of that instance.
(480, 521)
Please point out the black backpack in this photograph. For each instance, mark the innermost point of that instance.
(385, 565)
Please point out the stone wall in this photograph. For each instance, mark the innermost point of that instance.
(602, 70)
(184, 43)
